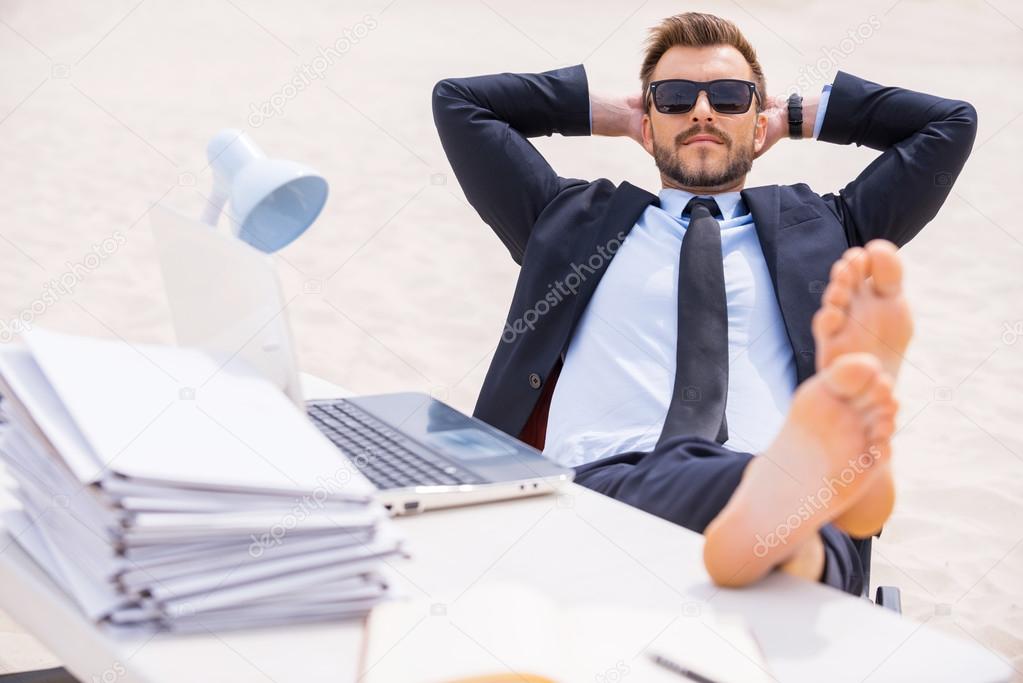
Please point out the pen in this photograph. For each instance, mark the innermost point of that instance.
(680, 670)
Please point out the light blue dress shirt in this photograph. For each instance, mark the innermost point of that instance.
(616, 384)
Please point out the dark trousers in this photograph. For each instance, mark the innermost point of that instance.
(688, 480)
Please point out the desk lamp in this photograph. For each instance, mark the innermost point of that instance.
(273, 201)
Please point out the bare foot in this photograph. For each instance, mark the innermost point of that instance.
(871, 510)
(828, 451)
(863, 309)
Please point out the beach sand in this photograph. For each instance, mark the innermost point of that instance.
(106, 108)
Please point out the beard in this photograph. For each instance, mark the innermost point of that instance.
(739, 162)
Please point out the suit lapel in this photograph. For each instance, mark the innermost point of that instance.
(763, 203)
(798, 261)
(626, 205)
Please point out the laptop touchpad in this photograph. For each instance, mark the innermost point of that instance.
(467, 444)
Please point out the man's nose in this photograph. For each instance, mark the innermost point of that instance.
(702, 111)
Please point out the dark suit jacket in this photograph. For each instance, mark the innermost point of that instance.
(554, 226)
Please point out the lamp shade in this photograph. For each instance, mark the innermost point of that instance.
(272, 201)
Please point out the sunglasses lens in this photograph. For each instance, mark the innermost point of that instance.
(730, 97)
(675, 97)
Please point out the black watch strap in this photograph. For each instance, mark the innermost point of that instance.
(795, 116)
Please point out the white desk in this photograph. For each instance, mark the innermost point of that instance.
(579, 547)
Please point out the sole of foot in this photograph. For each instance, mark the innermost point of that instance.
(833, 444)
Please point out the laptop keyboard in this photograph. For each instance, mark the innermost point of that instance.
(383, 454)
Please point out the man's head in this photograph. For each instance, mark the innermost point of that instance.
(702, 150)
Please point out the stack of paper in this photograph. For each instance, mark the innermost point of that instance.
(163, 488)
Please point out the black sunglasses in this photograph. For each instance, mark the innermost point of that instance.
(726, 95)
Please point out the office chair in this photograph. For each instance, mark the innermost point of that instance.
(535, 432)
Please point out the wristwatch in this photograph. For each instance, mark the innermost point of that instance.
(795, 116)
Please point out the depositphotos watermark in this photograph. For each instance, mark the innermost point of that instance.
(560, 290)
(613, 674)
(813, 76)
(313, 70)
(816, 502)
(1012, 332)
(114, 672)
(61, 286)
(304, 506)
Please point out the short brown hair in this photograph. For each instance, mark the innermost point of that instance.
(694, 29)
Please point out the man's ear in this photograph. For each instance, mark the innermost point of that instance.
(648, 134)
(760, 132)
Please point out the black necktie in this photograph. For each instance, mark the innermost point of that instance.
(701, 371)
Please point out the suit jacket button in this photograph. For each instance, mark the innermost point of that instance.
(534, 380)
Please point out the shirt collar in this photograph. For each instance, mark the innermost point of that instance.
(674, 202)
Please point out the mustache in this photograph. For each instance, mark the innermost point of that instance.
(703, 130)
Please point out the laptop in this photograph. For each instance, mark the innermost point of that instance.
(419, 452)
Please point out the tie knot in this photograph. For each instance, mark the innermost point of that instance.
(706, 202)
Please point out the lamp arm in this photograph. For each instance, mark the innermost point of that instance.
(214, 204)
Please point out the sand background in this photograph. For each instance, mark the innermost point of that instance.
(105, 109)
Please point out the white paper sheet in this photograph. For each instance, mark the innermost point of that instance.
(167, 414)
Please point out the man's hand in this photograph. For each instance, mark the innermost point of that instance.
(778, 119)
(777, 122)
(618, 116)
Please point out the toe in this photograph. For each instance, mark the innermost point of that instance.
(845, 272)
(881, 421)
(875, 399)
(855, 260)
(852, 374)
(879, 396)
(837, 294)
(827, 321)
(885, 267)
(882, 427)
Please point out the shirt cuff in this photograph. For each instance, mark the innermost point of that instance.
(822, 108)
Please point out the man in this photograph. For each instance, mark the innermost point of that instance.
(656, 343)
